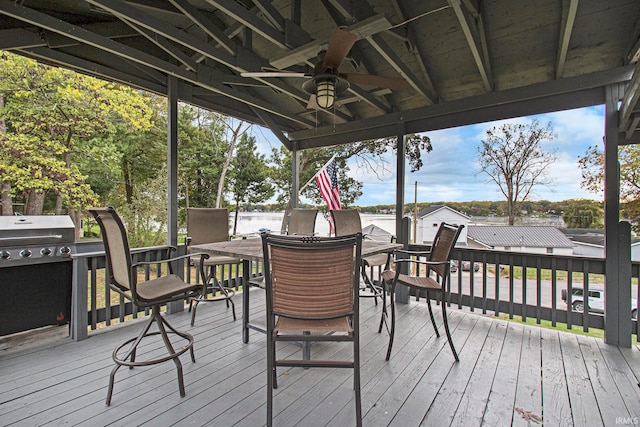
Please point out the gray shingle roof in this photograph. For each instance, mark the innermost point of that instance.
(430, 209)
(530, 236)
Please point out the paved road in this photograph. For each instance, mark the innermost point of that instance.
(505, 285)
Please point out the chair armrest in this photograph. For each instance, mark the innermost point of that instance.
(417, 261)
(409, 253)
(202, 256)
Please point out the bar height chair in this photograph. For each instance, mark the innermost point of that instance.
(302, 222)
(312, 296)
(210, 225)
(438, 262)
(123, 278)
(347, 221)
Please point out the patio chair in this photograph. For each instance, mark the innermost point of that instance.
(347, 221)
(153, 293)
(295, 269)
(437, 261)
(302, 222)
(210, 225)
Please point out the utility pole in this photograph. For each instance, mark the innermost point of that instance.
(415, 213)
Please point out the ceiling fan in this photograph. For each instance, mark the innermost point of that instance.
(325, 82)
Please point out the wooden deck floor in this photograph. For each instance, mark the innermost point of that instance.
(508, 374)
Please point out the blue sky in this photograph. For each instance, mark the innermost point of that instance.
(451, 172)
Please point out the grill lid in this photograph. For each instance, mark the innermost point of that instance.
(36, 230)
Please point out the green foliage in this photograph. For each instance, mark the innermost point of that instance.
(47, 112)
(249, 176)
(583, 213)
(592, 168)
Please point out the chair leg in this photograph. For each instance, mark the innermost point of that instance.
(384, 316)
(446, 327)
(393, 320)
(433, 320)
(128, 358)
(356, 380)
(176, 360)
(270, 380)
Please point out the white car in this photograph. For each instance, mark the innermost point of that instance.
(596, 300)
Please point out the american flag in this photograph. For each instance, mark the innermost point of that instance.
(327, 180)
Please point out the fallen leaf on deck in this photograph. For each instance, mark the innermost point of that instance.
(529, 416)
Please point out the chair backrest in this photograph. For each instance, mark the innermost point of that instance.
(312, 277)
(207, 225)
(346, 221)
(443, 244)
(116, 246)
(302, 222)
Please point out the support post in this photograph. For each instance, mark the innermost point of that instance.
(612, 333)
(295, 175)
(402, 224)
(172, 177)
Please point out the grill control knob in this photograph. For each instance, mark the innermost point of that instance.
(25, 253)
(46, 251)
(5, 254)
(65, 250)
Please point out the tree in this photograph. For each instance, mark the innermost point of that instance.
(592, 168)
(249, 175)
(368, 154)
(513, 157)
(583, 213)
(47, 111)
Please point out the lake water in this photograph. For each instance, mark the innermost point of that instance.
(252, 222)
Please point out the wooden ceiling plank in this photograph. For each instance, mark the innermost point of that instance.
(270, 12)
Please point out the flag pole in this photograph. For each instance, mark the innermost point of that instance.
(317, 173)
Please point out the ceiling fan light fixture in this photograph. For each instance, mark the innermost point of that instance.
(325, 93)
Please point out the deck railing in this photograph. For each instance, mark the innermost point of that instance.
(506, 283)
(95, 305)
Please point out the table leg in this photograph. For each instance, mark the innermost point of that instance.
(246, 265)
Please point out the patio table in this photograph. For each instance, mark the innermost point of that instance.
(251, 250)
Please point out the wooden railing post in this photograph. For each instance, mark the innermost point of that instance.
(402, 292)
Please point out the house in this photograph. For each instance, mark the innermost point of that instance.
(532, 239)
(590, 242)
(429, 219)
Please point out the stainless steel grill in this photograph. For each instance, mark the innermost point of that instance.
(35, 239)
(35, 271)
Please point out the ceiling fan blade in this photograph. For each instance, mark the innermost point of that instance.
(376, 81)
(312, 104)
(273, 74)
(340, 44)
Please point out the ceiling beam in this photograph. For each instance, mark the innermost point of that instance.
(555, 95)
(472, 33)
(205, 25)
(243, 61)
(250, 20)
(378, 43)
(566, 27)
(362, 29)
(199, 78)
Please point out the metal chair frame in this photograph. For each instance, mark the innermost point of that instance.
(438, 261)
(153, 293)
(209, 225)
(296, 271)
